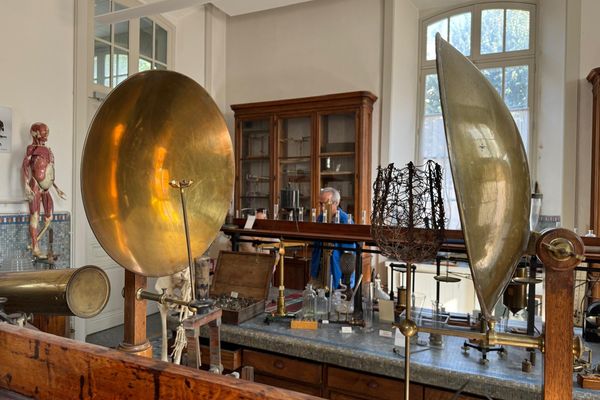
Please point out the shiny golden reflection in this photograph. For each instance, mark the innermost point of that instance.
(154, 127)
(490, 172)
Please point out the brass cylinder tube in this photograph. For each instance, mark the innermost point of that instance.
(492, 338)
(82, 292)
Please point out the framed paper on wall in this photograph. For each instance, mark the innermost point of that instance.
(5, 129)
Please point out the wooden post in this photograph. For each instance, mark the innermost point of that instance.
(135, 341)
(594, 78)
(558, 336)
(560, 250)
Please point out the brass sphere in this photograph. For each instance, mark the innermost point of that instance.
(408, 328)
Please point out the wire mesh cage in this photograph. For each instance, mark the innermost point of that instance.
(408, 219)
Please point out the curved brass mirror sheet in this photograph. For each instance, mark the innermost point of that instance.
(490, 172)
(155, 127)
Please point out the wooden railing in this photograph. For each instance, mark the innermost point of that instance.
(44, 366)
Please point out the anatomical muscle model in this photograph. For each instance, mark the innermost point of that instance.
(38, 174)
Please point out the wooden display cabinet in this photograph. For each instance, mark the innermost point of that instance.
(305, 144)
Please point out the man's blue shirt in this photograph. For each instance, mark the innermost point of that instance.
(315, 262)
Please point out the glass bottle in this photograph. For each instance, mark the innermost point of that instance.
(321, 312)
(336, 300)
(309, 303)
(367, 305)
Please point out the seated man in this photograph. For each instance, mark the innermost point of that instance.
(330, 199)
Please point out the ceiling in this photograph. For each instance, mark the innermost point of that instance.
(175, 9)
(239, 7)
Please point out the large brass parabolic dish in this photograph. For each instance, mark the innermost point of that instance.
(490, 172)
(155, 127)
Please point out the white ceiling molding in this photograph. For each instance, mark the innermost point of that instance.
(159, 7)
(240, 7)
(229, 7)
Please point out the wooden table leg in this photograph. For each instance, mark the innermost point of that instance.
(135, 341)
(214, 328)
(192, 332)
(193, 347)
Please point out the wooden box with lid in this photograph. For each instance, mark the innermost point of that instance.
(241, 284)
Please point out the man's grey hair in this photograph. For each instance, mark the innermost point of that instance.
(335, 194)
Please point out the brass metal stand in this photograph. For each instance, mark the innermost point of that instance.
(281, 312)
(408, 327)
(182, 185)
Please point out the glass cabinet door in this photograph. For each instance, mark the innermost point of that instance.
(295, 160)
(255, 175)
(337, 155)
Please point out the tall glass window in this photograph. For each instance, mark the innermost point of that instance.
(496, 37)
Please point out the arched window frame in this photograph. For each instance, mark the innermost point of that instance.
(496, 60)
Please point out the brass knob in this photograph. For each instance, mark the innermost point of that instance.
(408, 328)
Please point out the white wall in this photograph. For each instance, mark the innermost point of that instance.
(550, 92)
(37, 83)
(400, 83)
(189, 45)
(589, 59)
(309, 49)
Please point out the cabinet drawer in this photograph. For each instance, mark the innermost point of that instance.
(230, 358)
(370, 386)
(285, 384)
(342, 396)
(439, 394)
(284, 367)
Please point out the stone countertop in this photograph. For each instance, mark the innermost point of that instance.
(448, 367)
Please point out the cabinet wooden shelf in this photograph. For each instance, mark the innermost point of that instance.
(336, 173)
(293, 159)
(256, 158)
(338, 154)
(311, 143)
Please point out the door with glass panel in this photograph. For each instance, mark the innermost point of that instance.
(294, 161)
(337, 154)
(254, 162)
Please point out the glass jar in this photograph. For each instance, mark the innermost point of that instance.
(321, 312)
(309, 303)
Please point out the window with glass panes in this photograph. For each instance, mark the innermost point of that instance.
(499, 39)
(123, 48)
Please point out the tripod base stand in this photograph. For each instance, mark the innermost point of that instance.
(483, 350)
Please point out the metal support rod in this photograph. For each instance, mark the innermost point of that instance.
(438, 271)
(162, 298)
(491, 338)
(531, 297)
(407, 337)
(359, 272)
(181, 185)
